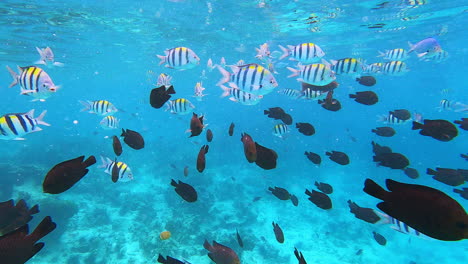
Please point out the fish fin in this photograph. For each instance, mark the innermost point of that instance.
(162, 58)
(40, 118)
(173, 183)
(352, 96)
(373, 189)
(18, 138)
(285, 52)
(86, 104)
(226, 75)
(45, 227)
(421, 55)
(161, 259)
(58, 64)
(417, 125)
(431, 171)
(381, 54)
(295, 72)
(14, 75)
(207, 246)
(89, 161)
(411, 47)
(34, 209)
(226, 90)
(42, 62)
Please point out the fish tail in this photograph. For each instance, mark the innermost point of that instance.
(14, 75)
(40, 118)
(173, 183)
(207, 246)
(89, 161)
(294, 72)
(373, 189)
(417, 125)
(104, 162)
(430, 171)
(162, 58)
(226, 90)
(374, 130)
(34, 209)
(352, 96)
(381, 54)
(45, 227)
(86, 104)
(161, 259)
(226, 75)
(411, 47)
(285, 52)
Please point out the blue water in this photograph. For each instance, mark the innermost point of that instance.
(109, 51)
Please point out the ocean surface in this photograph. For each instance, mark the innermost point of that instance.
(109, 53)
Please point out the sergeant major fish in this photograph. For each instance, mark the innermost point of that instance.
(252, 78)
(316, 74)
(305, 53)
(100, 107)
(15, 126)
(180, 58)
(47, 57)
(241, 96)
(33, 81)
(394, 54)
(117, 169)
(180, 106)
(109, 122)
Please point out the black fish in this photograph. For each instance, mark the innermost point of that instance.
(209, 135)
(338, 157)
(401, 114)
(313, 157)
(133, 139)
(324, 187)
(392, 160)
(439, 129)
(13, 217)
(65, 174)
(320, 199)
(115, 173)
(196, 125)
(305, 128)
(186, 191)
(329, 103)
(294, 200)
(366, 80)
(278, 232)
(365, 98)
(464, 156)
(384, 131)
(169, 260)
(116, 145)
(378, 149)
(324, 88)
(266, 158)
(280, 193)
(425, 209)
(278, 113)
(299, 256)
(159, 96)
(239, 239)
(231, 129)
(363, 213)
(359, 252)
(380, 239)
(412, 173)
(448, 176)
(463, 192)
(463, 123)
(18, 247)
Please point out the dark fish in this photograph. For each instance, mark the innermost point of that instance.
(338, 157)
(116, 145)
(201, 162)
(278, 113)
(221, 254)
(384, 131)
(18, 247)
(115, 173)
(313, 157)
(294, 200)
(196, 125)
(359, 252)
(278, 232)
(305, 128)
(287, 119)
(324, 187)
(320, 199)
(299, 256)
(13, 217)
(363, 213)
(209, 135)
(365, 98)
(65, 174)
(378, 149)
(380, 239)
(159, 96)
(169, 260)
(280, 193)
(464, 156)
(250, 150)
(184, 190)
(324, 88)
(257, 198)
(231, 129)
(266, 158)
(439, 129)
(186, 171)
(463, 192)
(329, 103)
(133, 139)
(391, 160)
(239, 239)
(448, 176)
(412, 173)
(401, 114)
(366, 80)
(425, 209)
(463, 123)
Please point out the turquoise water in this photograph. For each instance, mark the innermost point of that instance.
(109, 51)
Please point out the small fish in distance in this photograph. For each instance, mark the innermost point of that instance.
(278, 232)
(201, 161)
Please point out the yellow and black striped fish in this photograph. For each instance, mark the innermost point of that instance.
(117, 169)
(100, 107)
(395, 68)
(252, 78)
(315, 74)
(180, 106)
(109, 122)
(280, 129)
(181, 58)
(15, 126)
(349, 66)
(33, 81)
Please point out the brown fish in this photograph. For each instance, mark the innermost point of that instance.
(18, 247)
(338, 157)
(209, 135)
(278, 232)
(278, 113)
(366, 214)
(196, 125)
(159, 96)
(401, 114)
(231, 129)
(463, 123)
(280, 193)
(133, 139)
(366, 80)
(438, 129)
(250, 150)
(186, 191)
(299, 256)
(320, 199)
(221, 254)
(464, 156)
(294, 200)
(412, 173)
(329, 103)
(201, 163)
(324, 187)
(266, 158)
(116, 145)
(392, 160)
(305, 128)
(65, 174)
(384, 131)
(448, 176)
(379, 239)
(186, 171)
(425, 209)
(365, 98)
(169, 260)
(463, 192)
(378, 149)
(13, 217)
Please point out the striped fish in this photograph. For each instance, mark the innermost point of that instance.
(180, 58)
(251, 78)
(374, 67)
(117, 169)
(180, 106)
(199, 91)
(305, 53)
(164, 79)
(33, 81)
(394, 55)
(401, 227)
(395, 68)
(291, 93)
(280, 130)
(391, 119)
(348, 66)
(240, 96)
(100, 107)
(15, 126)
(315, 74)
(109, 122)
(310, 94)
(438, 56)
